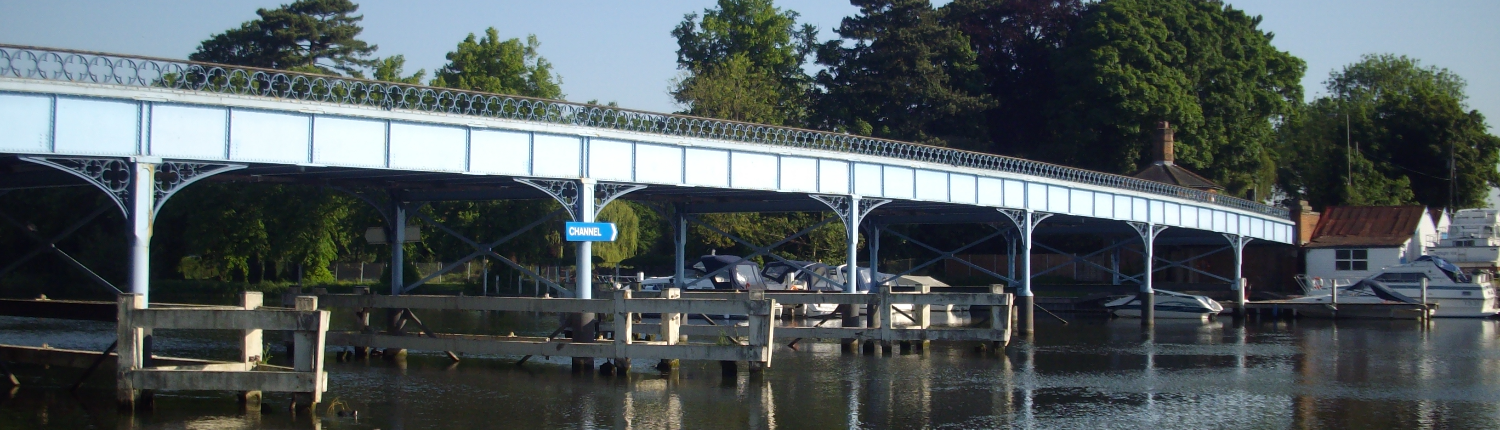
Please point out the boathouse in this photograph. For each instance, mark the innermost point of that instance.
(1353, 242)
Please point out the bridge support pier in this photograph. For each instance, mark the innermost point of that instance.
(1148, 232)
(1026, 222)
(1238, 242)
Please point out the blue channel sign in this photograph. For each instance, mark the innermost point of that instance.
(590, 231)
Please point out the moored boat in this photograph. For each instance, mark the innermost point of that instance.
(1168, 304)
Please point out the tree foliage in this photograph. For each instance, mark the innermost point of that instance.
(906, 76)
(1203, 66)
(1395, 125)
(1016, 43)
(500, 66)
(319, 36)
(743, 61)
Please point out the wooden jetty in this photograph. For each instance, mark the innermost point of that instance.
(1387, 310)
(139, 373)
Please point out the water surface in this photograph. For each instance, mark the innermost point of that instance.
(1087, 374)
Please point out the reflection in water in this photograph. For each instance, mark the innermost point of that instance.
(1089, 374)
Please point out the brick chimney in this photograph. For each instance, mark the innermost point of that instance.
(1304, 220)
(1163, 150)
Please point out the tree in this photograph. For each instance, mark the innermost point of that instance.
(503, 67)
(734, 90)
(1397, 125)
(1201, 65)
(1016, 42)
(318, 36)
(906, 76)
(743, 61)
(390, 69)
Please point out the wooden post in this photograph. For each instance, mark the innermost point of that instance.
(309, 354)
(252, 347)
(670, 327)
(887, 318)
(1000, 316)
(1426, 313)
(362, 322)
(762, 322)
(924, 318)
(129, 348)
(624, 330)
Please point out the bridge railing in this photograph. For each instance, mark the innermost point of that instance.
(115, 69)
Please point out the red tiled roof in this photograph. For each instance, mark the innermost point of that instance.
(1366, 226)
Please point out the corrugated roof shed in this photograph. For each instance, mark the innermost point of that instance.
(1366, 226)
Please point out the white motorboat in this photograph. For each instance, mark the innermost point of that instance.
(1169, 304)
(1363, 292)
(1456, 293)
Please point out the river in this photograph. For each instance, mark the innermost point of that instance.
(1091, 373)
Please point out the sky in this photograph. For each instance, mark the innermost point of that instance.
(623, 51)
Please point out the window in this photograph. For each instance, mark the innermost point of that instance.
(1351, 259)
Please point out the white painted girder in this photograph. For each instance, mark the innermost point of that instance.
(73, 119)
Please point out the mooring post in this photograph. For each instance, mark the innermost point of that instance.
(624, 330)
(999, 317)
(309, 354)
(252, 347)
(362, 323)
(128, 349)
(762, 323)
(670, 325)
(885, 319)
(924, 320)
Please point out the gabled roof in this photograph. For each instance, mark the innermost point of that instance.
(1366, 226)
(1171, 173)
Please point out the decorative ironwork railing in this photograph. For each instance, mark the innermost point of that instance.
(115, 69)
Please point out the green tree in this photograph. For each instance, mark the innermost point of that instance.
(319, 36)
(390, 69)
(906, 76)
(743, 61)
(1016, 42)
(1202, 65)
(1395, 125)
(734, 90)
(504, 67)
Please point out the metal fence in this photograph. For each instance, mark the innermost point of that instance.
(114, 69)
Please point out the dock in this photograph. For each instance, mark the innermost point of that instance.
(1389, 310)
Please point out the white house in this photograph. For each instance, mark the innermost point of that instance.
(1353, 242)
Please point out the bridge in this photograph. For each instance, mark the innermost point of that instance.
(140, 129)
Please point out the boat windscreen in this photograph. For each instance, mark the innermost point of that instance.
(1448, 268)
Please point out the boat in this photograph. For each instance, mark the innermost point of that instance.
(1457, 294)
(1471, 241)
(1352, 301)
(1169, 304)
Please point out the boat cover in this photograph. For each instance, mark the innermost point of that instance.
(1380, 290)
